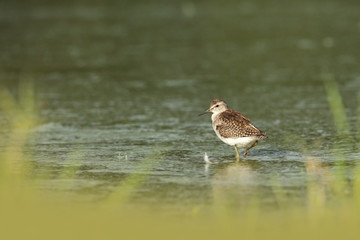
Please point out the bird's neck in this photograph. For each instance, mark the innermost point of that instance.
(215, 115)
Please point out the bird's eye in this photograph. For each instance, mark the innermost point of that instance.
(217, 105)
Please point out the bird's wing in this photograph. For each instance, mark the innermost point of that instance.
(233, 125)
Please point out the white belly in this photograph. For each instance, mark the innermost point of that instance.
(239, 142)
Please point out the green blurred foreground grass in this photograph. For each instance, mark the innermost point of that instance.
(27, 213)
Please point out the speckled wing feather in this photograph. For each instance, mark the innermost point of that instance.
(232, 124)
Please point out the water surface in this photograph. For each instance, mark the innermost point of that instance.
(120, 83)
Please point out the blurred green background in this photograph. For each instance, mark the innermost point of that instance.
(99, 104)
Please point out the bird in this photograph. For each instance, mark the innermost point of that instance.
(233, 128)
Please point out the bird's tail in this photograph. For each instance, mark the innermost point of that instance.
(262, 136)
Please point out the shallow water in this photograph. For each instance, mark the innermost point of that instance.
(120, 83)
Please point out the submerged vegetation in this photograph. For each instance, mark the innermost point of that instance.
(331, 210)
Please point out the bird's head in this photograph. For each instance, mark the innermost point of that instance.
(216, 106)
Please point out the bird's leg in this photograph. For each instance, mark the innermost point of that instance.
(237, 153)
(248, 149)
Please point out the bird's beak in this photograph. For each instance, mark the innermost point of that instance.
(207, 111)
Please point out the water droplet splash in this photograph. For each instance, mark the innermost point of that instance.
(206, 159)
